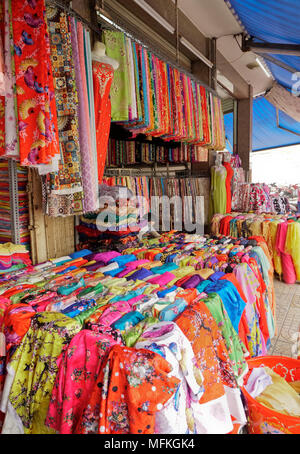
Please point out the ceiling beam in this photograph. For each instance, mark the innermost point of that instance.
(248, 44)
(241, 87)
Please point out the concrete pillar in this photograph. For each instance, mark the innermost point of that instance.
(245, 129)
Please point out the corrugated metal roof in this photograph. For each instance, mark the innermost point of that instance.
(274, 22)
(266, 134)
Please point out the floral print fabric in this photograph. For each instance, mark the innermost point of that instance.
(37, 121)
(78, 368)
(35, 368)
(131, 387)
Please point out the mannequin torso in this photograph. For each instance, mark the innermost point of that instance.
(99, 55)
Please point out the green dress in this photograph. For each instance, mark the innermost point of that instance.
(235, 347)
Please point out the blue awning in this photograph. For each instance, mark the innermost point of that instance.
(274, 22)
(266, 134)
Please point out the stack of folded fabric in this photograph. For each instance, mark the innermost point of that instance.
(13, 257)
(115, 225)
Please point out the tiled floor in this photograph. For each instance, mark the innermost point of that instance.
(286, 342)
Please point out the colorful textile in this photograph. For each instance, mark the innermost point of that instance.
(37, 122)
(78, 367)
(131, 387)
(34, 369)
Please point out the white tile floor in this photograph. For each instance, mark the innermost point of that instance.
(288, 320)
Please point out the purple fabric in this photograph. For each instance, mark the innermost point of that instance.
(212, 260)
(216, 276)
(90, 186)
(192, 282)
(90, 257)
(140, 274)
(94, 267)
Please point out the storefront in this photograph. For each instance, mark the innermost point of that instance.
(131, 300)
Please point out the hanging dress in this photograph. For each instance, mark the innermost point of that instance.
(103, 77)
(229, 177)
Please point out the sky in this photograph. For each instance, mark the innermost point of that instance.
(281, 166)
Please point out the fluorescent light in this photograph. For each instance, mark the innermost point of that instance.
(196, 52)
(155, 15)
(263, 68)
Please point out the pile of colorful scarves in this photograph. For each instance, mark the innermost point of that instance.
(257, 197)
(153, 340)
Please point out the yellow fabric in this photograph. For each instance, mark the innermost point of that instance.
(205, 273)
(280, 396)
(296, 386)
(255, 228)
(276, 256)
(292, 245)
(10, 248)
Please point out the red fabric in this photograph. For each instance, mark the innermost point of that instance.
(230, 174)
(102, 78)
(38, 140)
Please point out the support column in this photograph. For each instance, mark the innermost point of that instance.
(244, 130)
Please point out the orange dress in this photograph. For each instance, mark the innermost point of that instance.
(102, 77)
(230, 174)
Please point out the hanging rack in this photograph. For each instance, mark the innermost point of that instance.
(109, 23)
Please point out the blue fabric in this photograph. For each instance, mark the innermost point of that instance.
(79, 254)
(170, 258)
(202, 286)
(140, 274)
(231, 298)
(163, 293)
(113, 273)
(128, 320)
(78, 307)
(123, 259)
(162, 269)
(216, 276)
(168, 314)
(128, 296)
(71, 268)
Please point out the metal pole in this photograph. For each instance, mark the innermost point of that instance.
(177, 31)
(14, 201)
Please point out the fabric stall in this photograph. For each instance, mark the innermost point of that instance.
(185, 310)
(145, 328)
(281, 233)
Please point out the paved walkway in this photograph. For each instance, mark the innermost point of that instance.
(288, 320)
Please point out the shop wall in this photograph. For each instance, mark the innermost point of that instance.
(50, 237)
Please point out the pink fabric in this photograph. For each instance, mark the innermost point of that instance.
(106, 256)
(78, 367)
(247, 281)
(90, 184)
(136, 263)
(288, 268)
(114, 313)
(163, 279)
